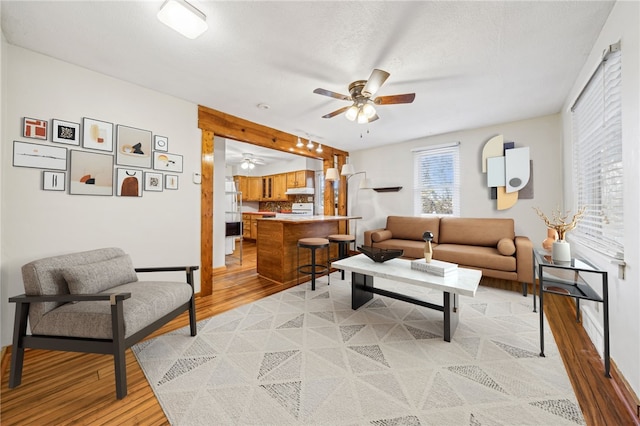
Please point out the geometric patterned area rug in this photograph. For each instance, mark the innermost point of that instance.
(302, 357)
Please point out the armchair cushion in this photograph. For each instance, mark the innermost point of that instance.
(149, 301)
(97, 277)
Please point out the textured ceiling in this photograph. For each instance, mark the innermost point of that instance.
(470, 64)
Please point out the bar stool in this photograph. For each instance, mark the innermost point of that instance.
(313, 268)
(343, 241)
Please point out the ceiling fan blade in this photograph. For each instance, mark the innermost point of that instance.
(407, 98)
(374, 118)
(336, 112)
(375, 81)
(331, 94)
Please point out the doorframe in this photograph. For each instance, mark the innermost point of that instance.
(215, 123)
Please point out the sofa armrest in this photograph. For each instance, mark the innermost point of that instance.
(524, 259)
(367, 236)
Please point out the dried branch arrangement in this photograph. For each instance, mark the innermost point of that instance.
(559, 222)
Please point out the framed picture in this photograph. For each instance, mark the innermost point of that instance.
(152, 181)
(34, 128)
(53, 181)
(97, 134)
(38, 156)
(167, 162)
(65, 132)
(160, 143)
(91, 173)
(171, 181)
(133, 147)
(129, 183)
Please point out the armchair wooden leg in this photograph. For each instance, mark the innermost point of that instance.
(17, 350)
(119, 357)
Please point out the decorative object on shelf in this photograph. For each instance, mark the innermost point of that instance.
(561, 250)
(380, 255)
(552, 236)
(388, 189)
(34, 128)
(435, 267)
(428, 251)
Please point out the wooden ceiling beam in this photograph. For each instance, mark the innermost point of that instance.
(231, 127)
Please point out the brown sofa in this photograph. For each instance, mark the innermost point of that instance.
(485, 243)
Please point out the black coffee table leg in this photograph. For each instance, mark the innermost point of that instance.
(451, 316)
(359, 293)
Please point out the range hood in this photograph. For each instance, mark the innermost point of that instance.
(300, 191)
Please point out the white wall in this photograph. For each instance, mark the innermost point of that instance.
(160, 228)
(391, 165)
(624, 294)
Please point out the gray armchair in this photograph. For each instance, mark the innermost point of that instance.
(92, 302)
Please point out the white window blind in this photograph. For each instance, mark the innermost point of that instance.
(436, 182)
(597, 159)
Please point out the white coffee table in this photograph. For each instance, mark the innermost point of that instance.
(363, 270)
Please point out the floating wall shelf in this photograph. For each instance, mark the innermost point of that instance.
(388, 189)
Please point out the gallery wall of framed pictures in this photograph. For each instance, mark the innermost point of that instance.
(96, 157)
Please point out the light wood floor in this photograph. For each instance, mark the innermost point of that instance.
(60, 388)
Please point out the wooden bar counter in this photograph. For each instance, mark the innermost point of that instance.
(277, 244)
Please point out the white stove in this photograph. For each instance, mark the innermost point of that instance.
(298, 209)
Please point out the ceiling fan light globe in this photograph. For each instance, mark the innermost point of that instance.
(351, 113)
(251, 166)
(368, 110)
(244, 165)
(362, 118)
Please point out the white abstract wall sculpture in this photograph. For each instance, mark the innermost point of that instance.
(508, 171)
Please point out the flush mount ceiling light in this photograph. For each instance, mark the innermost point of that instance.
(183, 18)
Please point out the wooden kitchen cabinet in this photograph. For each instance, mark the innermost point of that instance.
(298, 178)
(250, 224)
(279, 187)
(242, 185)
(254, 189)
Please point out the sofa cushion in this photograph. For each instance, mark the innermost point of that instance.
(96, 277)
(381, 235)
(413, 249)
(506, 247)
(412, 227)
(149, 301)
(476, 256)
(477, 232)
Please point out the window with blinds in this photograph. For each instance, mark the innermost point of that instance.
(436, 182)
(597, 159)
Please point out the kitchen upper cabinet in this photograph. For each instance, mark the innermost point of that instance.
(242, 185)
(254, 189)
(298, 179)
(279, 187)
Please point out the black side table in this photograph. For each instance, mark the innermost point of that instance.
(567, 279)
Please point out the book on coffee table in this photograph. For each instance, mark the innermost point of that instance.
(435, 267)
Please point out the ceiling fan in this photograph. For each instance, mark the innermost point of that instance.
(363, 108)
(250, 162)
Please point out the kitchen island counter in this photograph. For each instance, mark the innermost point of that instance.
(277, 244)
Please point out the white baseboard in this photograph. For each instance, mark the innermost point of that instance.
(593, 327)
